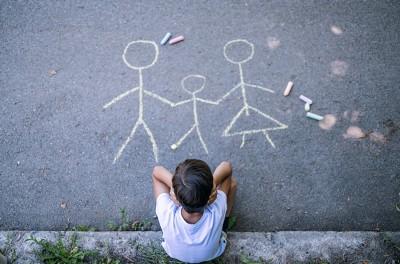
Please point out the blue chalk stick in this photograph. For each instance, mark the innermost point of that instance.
(165, 39)
(314, 116)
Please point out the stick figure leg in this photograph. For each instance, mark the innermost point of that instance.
(201, 139)
(243, 140)
(153, 141)
(127, 141)
(269, 139)
(177, 144)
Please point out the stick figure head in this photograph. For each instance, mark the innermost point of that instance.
(238, 51)
(136, 48)
(193, 83)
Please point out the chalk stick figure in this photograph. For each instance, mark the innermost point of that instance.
(246, 109)
(141, 90)
(193, 84)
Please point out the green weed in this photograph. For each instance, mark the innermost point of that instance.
(83, 228)
(55, 253)
(125, 224)
(390, 243)
(232, 221)
(108, 258)
(245, 259)
(8, 251)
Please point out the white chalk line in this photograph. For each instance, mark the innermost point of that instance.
(121, 149)
(246, 106)
(119, 97)
(229, 127)
(195, 116)
(162, 99)
(235, 41)
(179, 142)
(140, 88)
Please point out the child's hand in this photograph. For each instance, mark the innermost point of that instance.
(173, 197)
(213, 195)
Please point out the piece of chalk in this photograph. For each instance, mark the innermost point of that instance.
(173, 146)
(314, 116)
(176, 40)
(165, 39)
(307, 107)
(288, 88)
(305, 99)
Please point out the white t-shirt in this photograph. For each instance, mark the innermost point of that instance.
(202, 241)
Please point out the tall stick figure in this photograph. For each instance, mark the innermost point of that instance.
(193, 90)
(141, 91)
(246, 109)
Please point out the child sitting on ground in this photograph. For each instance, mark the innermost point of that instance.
(193, 207)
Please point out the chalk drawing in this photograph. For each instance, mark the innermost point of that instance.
(141, 91)
(194, 100)
(246, 107)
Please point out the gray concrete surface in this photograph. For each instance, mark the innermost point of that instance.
(277, 247)
(61, 62)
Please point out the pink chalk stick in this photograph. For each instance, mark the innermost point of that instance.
(176, 40)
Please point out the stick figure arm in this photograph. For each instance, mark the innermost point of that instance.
(208, 101)
(228, 93)
(260, 87)
(162, 99)
(182, 102)
(119, 97)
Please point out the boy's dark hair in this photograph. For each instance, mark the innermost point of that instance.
(193, 183)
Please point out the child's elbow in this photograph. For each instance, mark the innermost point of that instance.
(227, 165)
(155, 171)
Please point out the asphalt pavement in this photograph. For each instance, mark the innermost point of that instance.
(90, 102)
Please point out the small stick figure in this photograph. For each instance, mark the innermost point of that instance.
(193, 90)
(246, 107)
(141, 91)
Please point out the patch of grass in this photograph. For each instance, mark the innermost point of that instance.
(83, 228)
(108, 258)
(8, 251)
(126, 225)
(231, 223)
(392, 245)
(245, 259)
(154, 253)
(54, 253)
(316, 261)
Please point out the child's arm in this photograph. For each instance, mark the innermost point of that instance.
(222, 172)
(222, 180)
(162, 181)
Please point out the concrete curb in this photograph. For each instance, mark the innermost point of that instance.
(279, 247)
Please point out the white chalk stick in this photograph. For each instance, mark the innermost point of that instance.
(288, 88)
(307, 107)
(305, 99)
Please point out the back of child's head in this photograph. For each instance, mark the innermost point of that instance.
(192, 183)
